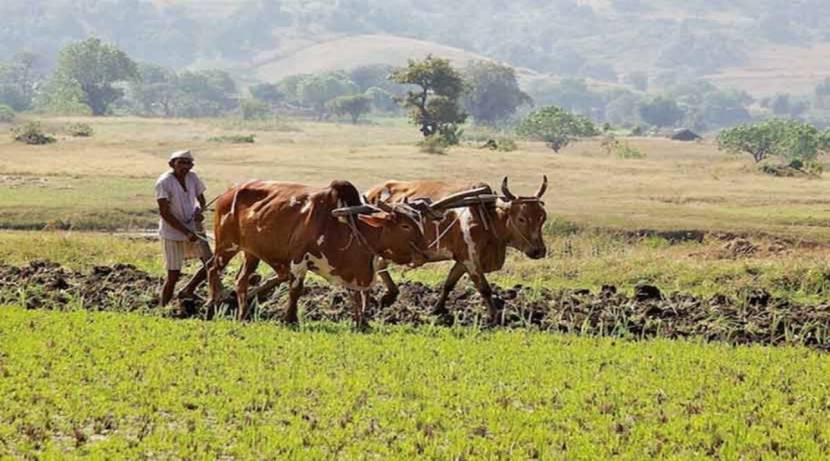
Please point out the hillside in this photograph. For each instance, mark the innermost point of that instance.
(354, 51)
(764, 46)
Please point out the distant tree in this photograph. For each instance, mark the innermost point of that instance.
(317, 90)
(267, 92)
(155, 92)
(556, 126)
(371, 75)
(205, 93)
(822, 94)
(93, 67)
(435, 105)
(622, 109)
(572, 94)
(493, 93)
(382, 100)
(784, 105)
(289, 86)
(789, 139)
(660, 112)
(353, 106)
(6, 114)
(18, 79)
(253, 109)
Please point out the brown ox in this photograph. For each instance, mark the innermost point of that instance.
(476, 238)
(294, 229)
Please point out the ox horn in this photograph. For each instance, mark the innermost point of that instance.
(450, 200)
(384, 206)
(543, 187)
(506, 191)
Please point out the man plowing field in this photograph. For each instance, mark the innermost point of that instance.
(180, 197)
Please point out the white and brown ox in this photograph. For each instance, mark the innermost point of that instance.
(476, 238)
(295, 228)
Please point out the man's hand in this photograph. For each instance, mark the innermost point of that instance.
(199, 216)
(193, 237)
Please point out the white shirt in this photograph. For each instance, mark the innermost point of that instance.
(183, 203)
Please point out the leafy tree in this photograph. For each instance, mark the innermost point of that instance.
(784, 105)
(18, 79)
(6, 114)
(570, 93)
(660, 112)
(789, 139)
(156, 90)
(317, 90)
(205, 93)
(253, 109)
(556, 126)
(93, 67)
(354, 106)
(382, 100)
(372, 75)
(289, 86)
(267, 92)
(494, 93)
(435, 105)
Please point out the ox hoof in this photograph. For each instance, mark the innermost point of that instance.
(291, 320)
(387, 300)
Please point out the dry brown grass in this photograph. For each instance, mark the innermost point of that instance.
(677, 186)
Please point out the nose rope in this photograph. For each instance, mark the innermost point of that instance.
(509, 220)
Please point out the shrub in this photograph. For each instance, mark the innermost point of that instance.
(556, 126)
(621, 149)
(254, 109)
(79, 129)
(434, 144)
(6, 114)
(31, 133)
(234, 139)
(500, 144)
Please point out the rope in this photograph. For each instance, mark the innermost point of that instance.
(447, 229)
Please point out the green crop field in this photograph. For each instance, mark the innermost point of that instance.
(128, 386)
(739, 258)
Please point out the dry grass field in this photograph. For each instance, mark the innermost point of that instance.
(106, 181)
(596, 201)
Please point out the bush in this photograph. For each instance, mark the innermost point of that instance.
(6, 114)
(254, 109)
(813, 167)
(79, 129)
(434, 144)
(31, 133)
(555, 126)
(500, 144)
(621, 149)
(234, 139)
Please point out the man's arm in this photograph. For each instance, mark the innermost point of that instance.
(200, 216)
(167, 215)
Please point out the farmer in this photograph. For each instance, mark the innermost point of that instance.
(181, 200)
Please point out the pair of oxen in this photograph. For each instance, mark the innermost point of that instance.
(347, 240)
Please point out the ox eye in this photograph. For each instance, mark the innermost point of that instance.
(521, 220)
(406, 227)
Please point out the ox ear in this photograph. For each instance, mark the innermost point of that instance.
(375, 220)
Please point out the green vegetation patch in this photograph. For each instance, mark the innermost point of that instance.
(127, 386)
